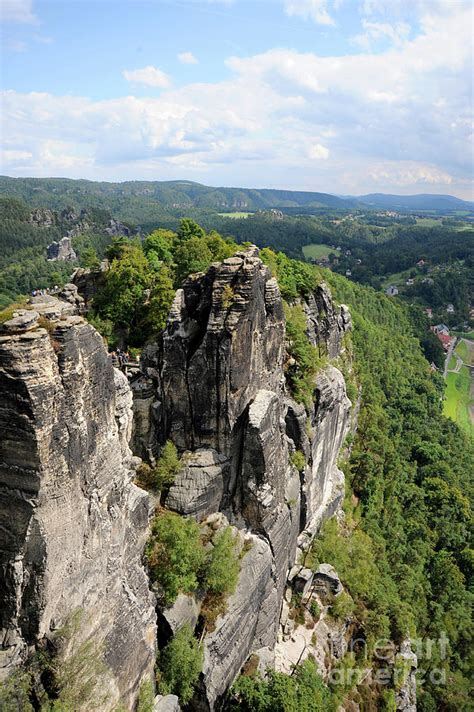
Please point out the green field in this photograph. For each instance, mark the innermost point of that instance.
(458, 399)
(452, 363)
(398, 278)
(465, 351)
(469, 335)
(428, 222)
(317, 252)
(234, 215)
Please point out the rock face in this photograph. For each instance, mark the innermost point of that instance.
(406, 695)
(220, 395)
(72, 523)
(62, 250)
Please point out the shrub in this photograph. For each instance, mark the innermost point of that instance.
(164, 472)
(180, 663)
(146, 697)
(167, 466)
(222, 564)
(302, 373)
(175, 555)
(303, 691)
(343, 606)
(298, 459)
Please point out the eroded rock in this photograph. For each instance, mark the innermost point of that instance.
(73, 525)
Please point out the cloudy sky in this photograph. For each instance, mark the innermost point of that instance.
(341, 96)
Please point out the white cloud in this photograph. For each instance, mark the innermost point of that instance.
(315, 10)
(407, 173)
(318, 152)
(150, 76)
(187, 58)
(372, 120)
(375, 31)
(15, 156)
(17, 11)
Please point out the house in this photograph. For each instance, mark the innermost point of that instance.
(348, 273)
(392, 291)
(440, 329)
(446, 340)
(429, 312)
(358, 262)
(450, 308)
(420, 263)
(409, 282)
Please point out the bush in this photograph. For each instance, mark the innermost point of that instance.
(298, 459)
(167, 466)
(301, 375)
(175, 555)
(164, 472)
(304, 691)
(343, 606)
(146, 697)
(180, 663)
(222, 565)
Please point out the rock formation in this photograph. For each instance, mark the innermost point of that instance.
(62, 250)
(220, 395)
(73, 525)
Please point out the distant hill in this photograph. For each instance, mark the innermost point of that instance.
(58, 193)
(421, 202)
(54, 192)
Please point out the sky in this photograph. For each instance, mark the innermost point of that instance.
(340, 96)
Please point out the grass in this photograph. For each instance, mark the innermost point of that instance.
(452, 363)
(398, 278)
(464, 352)
(235, 215)
(469, 335)
(428, 222)
(458, 399)
(317, 252)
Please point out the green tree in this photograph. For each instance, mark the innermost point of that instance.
(175, 555)
(222, 565)
(88, 258)
(123, 296)
(189, 229)
(180, 664)
(191, 256)
(159, 246)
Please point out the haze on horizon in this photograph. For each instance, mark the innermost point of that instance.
(337, 96)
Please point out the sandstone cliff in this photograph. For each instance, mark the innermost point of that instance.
(73, 525)
(218, 375)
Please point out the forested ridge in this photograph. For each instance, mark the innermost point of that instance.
(404, 550)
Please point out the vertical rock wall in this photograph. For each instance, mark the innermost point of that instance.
(219, 379)
(72, 523)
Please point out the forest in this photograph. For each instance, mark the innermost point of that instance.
(404, 551)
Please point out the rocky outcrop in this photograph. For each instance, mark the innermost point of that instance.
(248, 624)
(72, 524)
(115, 228)
(327, 323)
(220, 395)
(406, 664)
(166, 703)
(322, 480)
(199, 485)
(62, 250)
(224, 341)
(43, 217)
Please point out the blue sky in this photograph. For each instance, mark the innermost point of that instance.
(343, 96)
